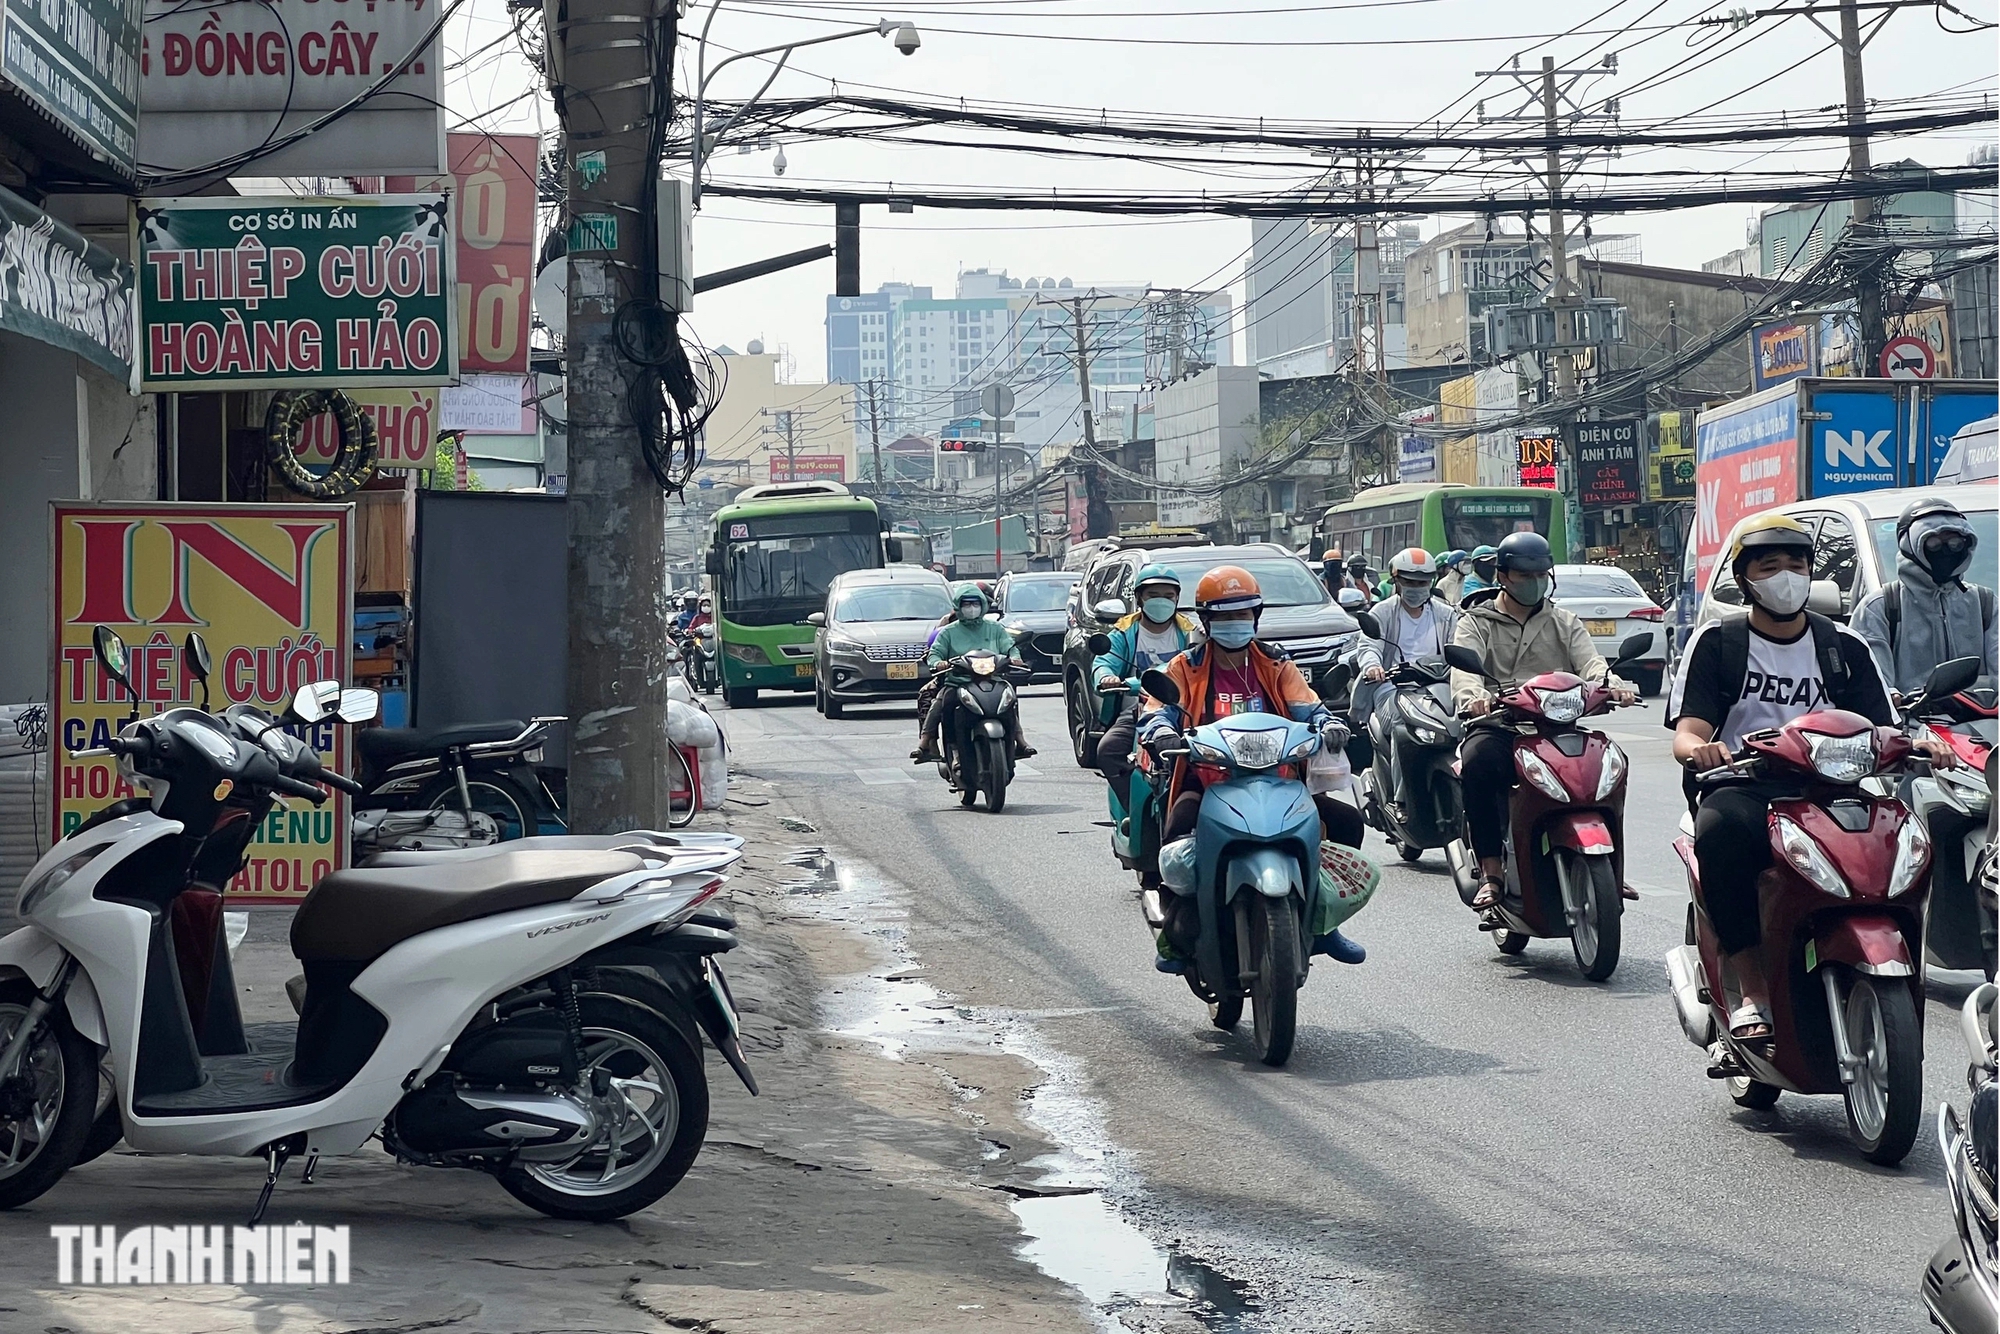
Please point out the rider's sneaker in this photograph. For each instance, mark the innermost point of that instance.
(1339, 948)
(1178, 967)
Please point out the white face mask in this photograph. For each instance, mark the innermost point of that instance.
(1782, 594)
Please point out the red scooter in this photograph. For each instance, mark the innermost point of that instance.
(1842, 911)
(1957, 808)
(1564, 857)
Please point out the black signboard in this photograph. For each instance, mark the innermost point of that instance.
(1608, 474)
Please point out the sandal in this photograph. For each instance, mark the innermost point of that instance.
(1746, 1020)
(1491, 887)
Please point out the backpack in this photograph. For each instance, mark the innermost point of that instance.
(1733, 635)
(1892, 606)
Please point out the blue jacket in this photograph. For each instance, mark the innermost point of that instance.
(1121, 658)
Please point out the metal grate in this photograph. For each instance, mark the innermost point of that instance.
(895, 652)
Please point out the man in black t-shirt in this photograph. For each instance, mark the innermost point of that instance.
(1741, 676)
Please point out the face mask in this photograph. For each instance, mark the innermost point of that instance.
(1414, 596)
(1946, 557)
(1484, 569)
(1232, 634)
(1782, 594)
(1158, 610)
(971, 612)
(1529, 592)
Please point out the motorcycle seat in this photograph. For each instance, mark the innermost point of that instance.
(355, 916)
(387, 743)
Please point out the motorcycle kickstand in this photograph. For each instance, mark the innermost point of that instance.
(276, 1154)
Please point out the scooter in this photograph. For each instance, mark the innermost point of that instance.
(1242, 905)
(978, 745)
(1843, 917)
(704, 675)
(460, 786)
(468, 1011)
(1957, 808)
(1564, 854)
(1960, 1282)
(1409, 791)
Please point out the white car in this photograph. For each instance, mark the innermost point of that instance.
(1613, 608)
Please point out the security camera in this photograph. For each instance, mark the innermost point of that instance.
(778, 163)
(907, 40)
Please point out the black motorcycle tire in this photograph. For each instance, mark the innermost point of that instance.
(1510, 942)
(496, 789)
(1409, 852)
(1226, 1014)
(76, 1109)
(1081, 743)
(1274, 997)
(1754, 1094)
(993, 775)
(1607, 907)
(1903, 1038)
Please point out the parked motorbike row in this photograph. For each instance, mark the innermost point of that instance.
(534, 1009)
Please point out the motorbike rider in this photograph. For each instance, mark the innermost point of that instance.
(689, 603)
(1929, 614)
(1332, 572)
(1453, 564)
(1743, 674)
(1518, 633)
(1149, 637)
(1419, 624)
(1481, 566)
(704, 614)
(970, 632)
(1233, 673)
(1357, 574)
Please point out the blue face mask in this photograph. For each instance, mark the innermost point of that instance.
(970, 612)
(1232, 634)
(1158, 610)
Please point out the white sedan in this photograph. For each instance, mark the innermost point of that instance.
(1613, 608)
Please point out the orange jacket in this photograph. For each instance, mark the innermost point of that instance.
(1282, 684)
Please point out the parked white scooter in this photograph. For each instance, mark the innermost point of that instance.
(474, 1012)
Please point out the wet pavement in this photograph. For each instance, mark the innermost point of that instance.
(1462, 1140)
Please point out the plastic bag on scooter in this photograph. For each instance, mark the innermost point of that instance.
(1348, 878)
(1327, 770)
(1177, 865)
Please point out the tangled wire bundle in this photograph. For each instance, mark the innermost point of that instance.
(353, 460)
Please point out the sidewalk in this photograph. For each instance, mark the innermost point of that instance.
(856, 1195)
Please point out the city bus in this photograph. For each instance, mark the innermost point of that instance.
(771, 556)
(1441, 517)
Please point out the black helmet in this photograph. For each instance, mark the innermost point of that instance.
(1923, 507)
(1933, 517)
(1527, 553)
(1358, 561)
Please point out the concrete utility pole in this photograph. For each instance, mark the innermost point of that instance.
(619, 765)
(1561, 288)
(875, 432)
(1868, 287)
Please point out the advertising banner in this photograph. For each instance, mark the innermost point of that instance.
(1947, 410)
(1536, 457)
(60, 289)
(808, 468)
(270, 587)
(489, 405)
(79, 62)
(1854, 440)
(1608, 474)
(219, 80)
(337, 293)
(1418, 459)
(1746, 460)
(1782, 352)
(492, 183)
(406, 430)
(1670, 466)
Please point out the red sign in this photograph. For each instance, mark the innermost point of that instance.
(1536, 456)
(808, 468)
(1908, 358)
(493, 193)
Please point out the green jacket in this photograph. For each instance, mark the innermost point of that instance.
(960, 637)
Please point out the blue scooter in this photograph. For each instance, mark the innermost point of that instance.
(1255, 880)
(1135, 812)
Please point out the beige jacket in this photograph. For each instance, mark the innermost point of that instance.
(1551, 640)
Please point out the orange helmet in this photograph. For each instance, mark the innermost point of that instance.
(1228, 588)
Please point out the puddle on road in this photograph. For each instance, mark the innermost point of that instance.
(1074, 1234)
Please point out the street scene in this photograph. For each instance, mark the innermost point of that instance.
(766, 667)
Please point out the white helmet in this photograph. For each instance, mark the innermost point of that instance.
(1413, 563)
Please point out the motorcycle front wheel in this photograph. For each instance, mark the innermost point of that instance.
(1885, 1101)
(993, 775)
(1595, 938)
(1274, 995)
(46, 1110)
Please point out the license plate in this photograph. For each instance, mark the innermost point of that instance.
(803, 669)
(1601, 629)
(902, 671)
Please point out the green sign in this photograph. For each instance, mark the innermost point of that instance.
(78, 60)
(1501, 509)
(60, 289)
(354, 292)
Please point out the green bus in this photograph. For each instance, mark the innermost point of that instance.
(1441, 517)
(771, 556)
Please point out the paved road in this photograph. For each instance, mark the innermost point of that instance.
(1462, 1141)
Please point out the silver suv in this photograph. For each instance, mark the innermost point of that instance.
(869, 641)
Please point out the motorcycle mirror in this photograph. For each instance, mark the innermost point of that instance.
(1109, 610)
(1369, 625)
(358, 704)
(313, 701)
(1098, 643)
(1160, 686)
(1464, 659)
(196, 662)
(1635, 647)
(1948, 678)
(818, 619)
(113, 661)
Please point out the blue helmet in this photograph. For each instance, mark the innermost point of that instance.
(1483, 552)
(1155, 573)
(1454, 558)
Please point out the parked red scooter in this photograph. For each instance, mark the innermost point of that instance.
(1564, 857)
(1843, 922)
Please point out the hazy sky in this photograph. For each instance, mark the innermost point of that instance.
(1403, 60)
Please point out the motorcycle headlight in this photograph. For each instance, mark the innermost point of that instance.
(1310, 746)
(52, 879)
(983, 666)
(1535, 771)
(1562, 706)
(1805, 854)
(1842, 759)
(1204, 753)
(1260, 749)
(1913, 853)
(1613, 770)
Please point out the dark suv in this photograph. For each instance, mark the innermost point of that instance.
(1299, 615)
(1034, 608)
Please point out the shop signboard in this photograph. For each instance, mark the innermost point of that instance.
(1607, 463)
(808, 468)
(1418, 459)
(60, 289)
(269, 587)
(406, 430)
(489, 405)
(1781, 352)
(78, 62)
(1536, 457)
(493, 199)
(1670, 467)
(348, 292)
(222, 80)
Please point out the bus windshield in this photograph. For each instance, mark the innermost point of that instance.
(1475, 521)
(775, 580)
